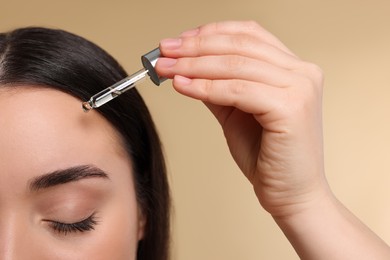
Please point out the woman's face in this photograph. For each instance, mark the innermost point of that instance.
(66, 187)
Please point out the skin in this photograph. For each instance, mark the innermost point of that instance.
(268, 102)
(44, 130)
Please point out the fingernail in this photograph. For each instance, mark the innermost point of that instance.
(171, 44)
(190, 33)
(182, 81)
(166, 62)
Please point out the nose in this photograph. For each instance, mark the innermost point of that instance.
(7, 238)
(13, 238)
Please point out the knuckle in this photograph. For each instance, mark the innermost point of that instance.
(211, 27)
(252, 25)
(311, 77)
(241, 43)
(199, 43)
(315, 72)
(233, 91)
(194, 45)
(298, 103)
(237, 43)
(234, 63)
(237, 88)
(308, 90)
(303, 99)
(207, 89)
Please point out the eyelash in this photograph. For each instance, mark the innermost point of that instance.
(87, 224)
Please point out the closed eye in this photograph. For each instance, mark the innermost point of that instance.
(62, 228)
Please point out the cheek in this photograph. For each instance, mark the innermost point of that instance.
(118, 237)
(119, 242)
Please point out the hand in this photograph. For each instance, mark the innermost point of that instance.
(268, 102)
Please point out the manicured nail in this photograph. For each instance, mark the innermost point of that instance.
(170, 44)
(166, 62)
(182, 81)
(190, 33)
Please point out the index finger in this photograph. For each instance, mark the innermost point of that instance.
(238, 27)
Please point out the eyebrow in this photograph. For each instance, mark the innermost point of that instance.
(67, 175)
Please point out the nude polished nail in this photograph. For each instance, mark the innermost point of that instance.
(170, 43)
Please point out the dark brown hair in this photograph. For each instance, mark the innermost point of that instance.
(57, 59)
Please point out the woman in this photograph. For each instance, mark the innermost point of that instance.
(267, 101)
(75, 185)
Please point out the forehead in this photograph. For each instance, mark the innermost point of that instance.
(44, 129)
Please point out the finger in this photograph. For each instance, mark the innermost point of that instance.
(238, 27)
(243, 45)
(245, 95)
(226, 67)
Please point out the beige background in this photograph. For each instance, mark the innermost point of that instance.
(216, 213)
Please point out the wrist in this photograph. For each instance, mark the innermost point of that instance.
(311, 207)
(295, 197)
(325, 229)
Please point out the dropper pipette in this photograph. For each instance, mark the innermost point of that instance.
(149, 60)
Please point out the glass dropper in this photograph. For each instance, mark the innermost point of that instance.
(149, 60)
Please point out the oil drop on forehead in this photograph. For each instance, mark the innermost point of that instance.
(149, 61)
